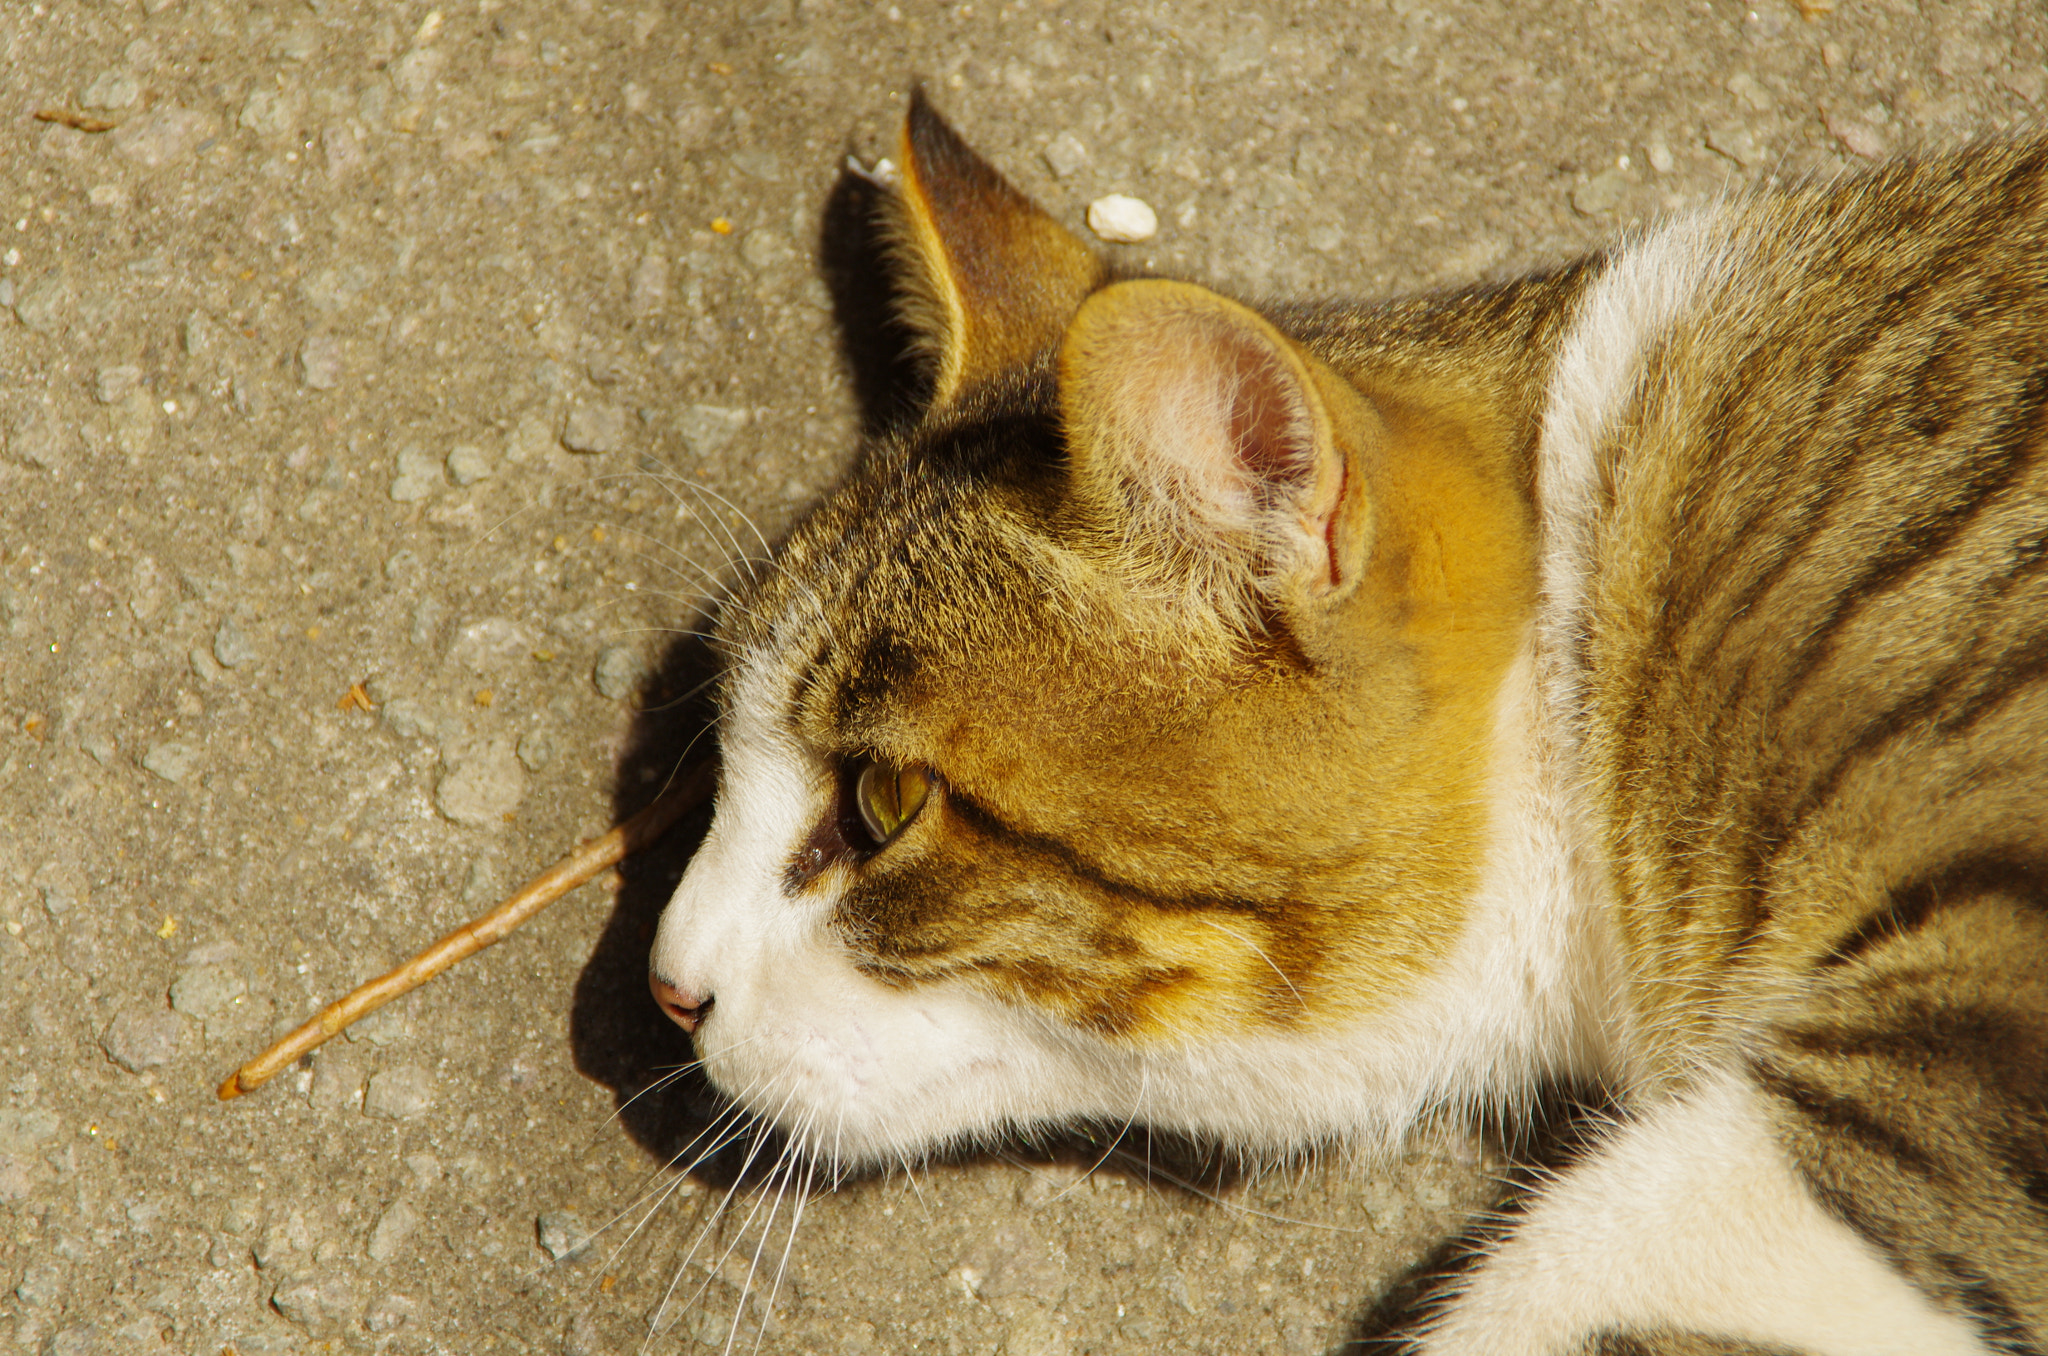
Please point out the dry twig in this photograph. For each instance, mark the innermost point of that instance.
(692, 789)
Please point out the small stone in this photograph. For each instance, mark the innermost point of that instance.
(322, 1305)
(111, 90)
(100, 745)
(44, 303)
(171, 761)
(595, 428)
(407, 718)
(1859, 136)
(402, 566)
(1658, 153)
(488, 646)
(23, 1130)
(386, 1026)
(320, 362)
(419, 474)
(1746, 87)
(205, 991)
(140, 1039)
(2030, 83)
(562, 1235)
(232, 646)
(150, 591)
(1738, 143)
(140, 1336)
(536, 750)
(1015, 1261)
(765, 249)
(481, 786)
(707, 428)
(467, 465)
(620, 671)
(111, 385)
(1601, 193)
(42, 1285)
(394, 1226)
(1065, 155)
(414, 72)
(1032, 1332)
(84, 1340)
(164, 134)
(1122, 220)
(647, 290)
(268, 113)
(399, 1094)
(44, 440)
(15, 1182)
(391, 1313)
(480, 883)
(200, 335)
(337, 1080)
(757, 163)
(344, 152)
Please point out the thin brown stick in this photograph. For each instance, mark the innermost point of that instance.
(692, 789)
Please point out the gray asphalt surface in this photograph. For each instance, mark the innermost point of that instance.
(371, 344)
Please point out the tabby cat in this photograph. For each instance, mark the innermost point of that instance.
(1276, 724)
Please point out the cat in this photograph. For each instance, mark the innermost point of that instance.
(1278, 724)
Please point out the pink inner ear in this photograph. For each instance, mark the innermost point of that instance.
(1270, 435)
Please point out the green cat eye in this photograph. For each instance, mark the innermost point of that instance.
(889, 797)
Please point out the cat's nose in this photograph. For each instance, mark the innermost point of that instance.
(687, 1010)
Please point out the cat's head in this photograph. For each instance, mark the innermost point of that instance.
(1111, 743)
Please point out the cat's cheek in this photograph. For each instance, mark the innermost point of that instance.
(858, 1071)
(790, 1027)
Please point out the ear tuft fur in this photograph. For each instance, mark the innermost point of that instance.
(990, 280)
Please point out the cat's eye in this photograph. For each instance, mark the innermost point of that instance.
(888, 797)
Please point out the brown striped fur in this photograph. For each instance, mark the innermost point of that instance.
(1204, 776)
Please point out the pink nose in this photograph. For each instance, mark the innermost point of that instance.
(684, 1008)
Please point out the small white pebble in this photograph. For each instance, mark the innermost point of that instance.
(1121, 220)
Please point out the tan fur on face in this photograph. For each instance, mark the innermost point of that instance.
(1149, 827)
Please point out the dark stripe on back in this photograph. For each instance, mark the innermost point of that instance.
(1998, 1320)
(1909, 906)
(1845, 1118)
(1917, 543)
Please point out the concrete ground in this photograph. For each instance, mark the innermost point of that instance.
(348, 344)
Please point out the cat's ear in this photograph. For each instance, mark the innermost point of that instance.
(993, 280)
(1216, 453)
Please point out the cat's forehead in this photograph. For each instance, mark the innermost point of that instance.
(932, 562)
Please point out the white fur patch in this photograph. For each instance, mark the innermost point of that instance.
(1623, 314)
(1691, 1220)
(873, 1073)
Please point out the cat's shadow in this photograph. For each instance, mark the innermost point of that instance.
(617, 1035)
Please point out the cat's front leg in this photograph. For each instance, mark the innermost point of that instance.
(1689, 1231)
